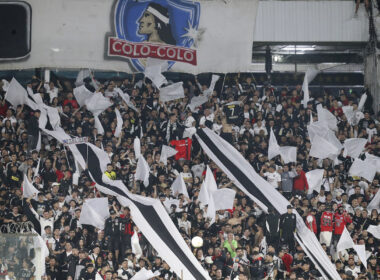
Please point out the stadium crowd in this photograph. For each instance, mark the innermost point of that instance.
(244, 242)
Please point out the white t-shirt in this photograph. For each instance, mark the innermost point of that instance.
(273, 178)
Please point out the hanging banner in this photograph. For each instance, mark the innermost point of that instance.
(193, 36)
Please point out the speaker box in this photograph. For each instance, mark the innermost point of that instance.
(15, 29)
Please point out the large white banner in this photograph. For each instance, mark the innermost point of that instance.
(194, 36)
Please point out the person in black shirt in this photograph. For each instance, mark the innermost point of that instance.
(288, 226)
(112, 231)
(33, 130)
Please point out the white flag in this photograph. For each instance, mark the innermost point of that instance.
(327, 117)
(216, 199)
(197, 101)
(38, 147)
(167, 152)
(137, 147)
(153, 70)
(360, 251)
(97, 103)
(314, 179)
(5, 85)
(135, 244)
(82, 94)
(126, 98)
(94, 212)
(374, 230)
(374, 160)
(82, 74)
(310, 74)
(353, 147)
(273, 147)
(142, 171)
(37, 169)
(349, 113)
(345, 241)
(98, 125)
(362, 101)
(144, 274)
(28, 190)
(375, 202)
(363, 168)
(179, 186)
(17, 95)
(288, 154)
(172, 92)
(119, 124)
(208, 92)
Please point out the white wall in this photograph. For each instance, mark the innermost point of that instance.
(310, 21)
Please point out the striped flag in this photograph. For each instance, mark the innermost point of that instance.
(259, 190)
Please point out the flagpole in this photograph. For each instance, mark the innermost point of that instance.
(67, 158)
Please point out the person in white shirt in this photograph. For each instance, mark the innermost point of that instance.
(272, 176)
(208, 116)
(184, 223)
(52, 90)
(259, 128)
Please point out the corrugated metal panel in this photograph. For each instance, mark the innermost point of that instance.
(310, 21)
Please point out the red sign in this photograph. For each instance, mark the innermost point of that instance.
(118, 47)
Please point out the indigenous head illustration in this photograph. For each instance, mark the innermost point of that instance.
(154, 23)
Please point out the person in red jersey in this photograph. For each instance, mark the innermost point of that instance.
(341, 219)
(327, 226)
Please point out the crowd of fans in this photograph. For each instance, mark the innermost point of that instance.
(244, 242)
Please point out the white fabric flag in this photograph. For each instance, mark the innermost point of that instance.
(363, 168)
(82, 74)
(82, 94)
(172, 92)
(38, 147)
(362, 101)
(353, 147)
(38, 242)
(224, 199)
(208, 92)
(179, 186)
(375, 202)
(349, 113)
(144, 274)
(137, 147)
(374, 160)
(28, 190)
(119, 124)
(135, 244)
(94, 212)
(37, 169)
(360, 251)
(288, 154)
(314, 179)
(5, 85)
(216, 199)
(126, 98)
(345, 241)
(98, 125)
(97, 103)
(142, 171)
(310, 74)
(36, 97)
(327, 117)
(197, 101)
(273, 147)
(374, 230)
(324, 143)
(17, 95)
(153, 71)
(167, 152)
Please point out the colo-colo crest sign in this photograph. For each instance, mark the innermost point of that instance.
(163, 29)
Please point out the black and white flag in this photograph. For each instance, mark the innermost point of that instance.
(259, 190)
(148, 214)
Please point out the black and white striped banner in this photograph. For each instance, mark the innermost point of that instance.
(259, 190)
(148, 214)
